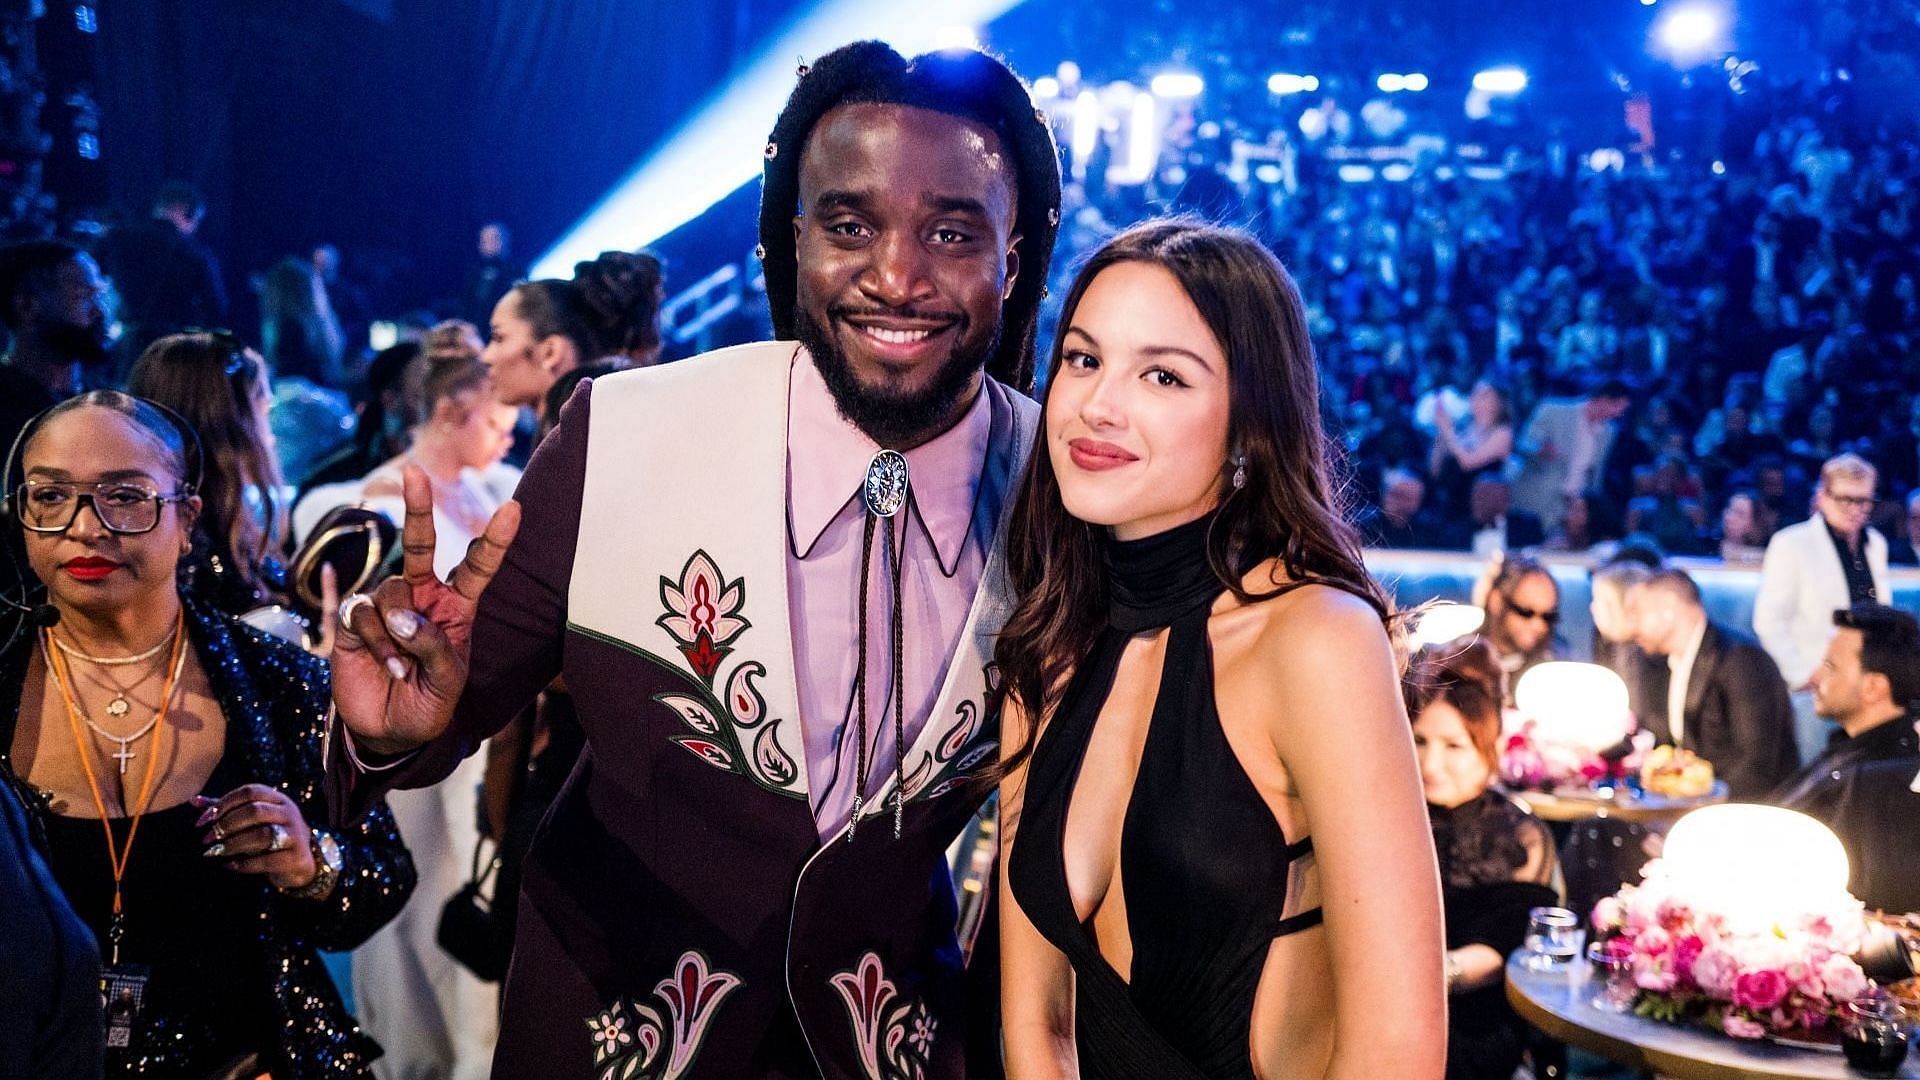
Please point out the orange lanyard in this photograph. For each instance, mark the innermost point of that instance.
(117, 854)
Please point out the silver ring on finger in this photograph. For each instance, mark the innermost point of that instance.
(352, 604)
(279, 841)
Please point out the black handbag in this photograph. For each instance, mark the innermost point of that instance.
(471, 931)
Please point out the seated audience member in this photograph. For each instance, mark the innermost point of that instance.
(1868, 683)
(1905, 550)
(1401, 521)
(1496, 860)
(1493, 525)
(175, 758)
(1745, 527)
(1522, 602)
(1724, 698)
(1877, 816)
(1614, 647)
(387, 412)
(220, 387)
(1589, 522)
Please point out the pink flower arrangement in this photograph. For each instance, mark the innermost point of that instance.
(1530, 762)
(1690, 965)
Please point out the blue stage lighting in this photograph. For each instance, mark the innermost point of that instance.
(1500, 80)
(718, 148)
(1177, 85)
(1692, 33)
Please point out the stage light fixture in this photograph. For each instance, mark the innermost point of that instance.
(1046, 88)
(718, 147)
(1500, 80)
(1282, 83)
(1086, 129)
(1415, 82)
(1692, 33)
(1178, 85)
(1143, 139)
(1391, 82)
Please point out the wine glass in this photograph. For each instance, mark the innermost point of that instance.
(1613, 964)
(1554, 937)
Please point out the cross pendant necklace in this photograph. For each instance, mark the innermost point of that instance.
(125, 754)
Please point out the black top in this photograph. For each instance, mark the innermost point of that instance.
(1815, 789)
(50, 994)
(1204, 866)
(188, 921)
(1496, 864)
(226, 926)
(1853, 562)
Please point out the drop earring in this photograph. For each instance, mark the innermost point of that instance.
(1239, 471)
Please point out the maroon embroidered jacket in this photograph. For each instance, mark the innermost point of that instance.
(680, 916)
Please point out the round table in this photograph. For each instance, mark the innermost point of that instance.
(1560, 1004)
(1617, 802)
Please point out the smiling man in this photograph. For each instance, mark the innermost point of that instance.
(771, 578)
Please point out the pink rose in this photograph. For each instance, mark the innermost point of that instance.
(1686, 952)
(1760, 990)
(1608, 914)
(1740, 1027)
(1674, 915)
(1714, 971)
(1654, 973)
(1653, 942)
(1845, 981)
(1806, 979)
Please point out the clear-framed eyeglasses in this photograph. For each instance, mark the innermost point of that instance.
(49, 506)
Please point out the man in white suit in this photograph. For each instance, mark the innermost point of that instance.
(1829, 562)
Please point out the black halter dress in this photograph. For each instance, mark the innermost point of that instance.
(1204, 866)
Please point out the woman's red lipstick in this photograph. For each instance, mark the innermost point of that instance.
(89, 567)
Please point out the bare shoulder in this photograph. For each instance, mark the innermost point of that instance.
(1307, 625)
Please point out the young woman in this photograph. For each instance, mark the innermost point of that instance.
(1496, 859)
(220, 387)
(1217, 855)
(172, 756)
(1461, 456)
(404, 983)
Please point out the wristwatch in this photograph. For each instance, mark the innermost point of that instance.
(327, 862)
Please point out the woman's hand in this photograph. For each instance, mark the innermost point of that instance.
(259, 830)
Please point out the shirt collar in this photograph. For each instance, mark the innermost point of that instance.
(827, 461)
(1683, 660)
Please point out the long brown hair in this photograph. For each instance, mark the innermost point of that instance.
(210, 379)
(1291, 508)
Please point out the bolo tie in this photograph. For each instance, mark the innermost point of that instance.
(884, 494)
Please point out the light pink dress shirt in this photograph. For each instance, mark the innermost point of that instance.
(941, 566)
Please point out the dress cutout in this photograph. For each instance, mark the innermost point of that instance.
(1203, 864)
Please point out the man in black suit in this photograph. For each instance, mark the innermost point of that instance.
(1867, 683)
(1877, 816)
(1723, 695)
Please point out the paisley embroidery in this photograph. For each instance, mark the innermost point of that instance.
(893, 1034)
(645, 1042)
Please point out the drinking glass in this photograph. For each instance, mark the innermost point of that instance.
(1554, 937)
(1613, 965)
(1873, 1034)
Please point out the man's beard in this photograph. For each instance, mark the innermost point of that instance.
(87, 345)
(897, 420)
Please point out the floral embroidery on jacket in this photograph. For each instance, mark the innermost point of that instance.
(894, 1034)
(642, 1042)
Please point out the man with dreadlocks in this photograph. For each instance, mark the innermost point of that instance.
(771, 578)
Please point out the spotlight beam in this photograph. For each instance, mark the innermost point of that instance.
(719, 147)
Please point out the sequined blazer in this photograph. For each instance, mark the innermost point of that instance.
(275, 698)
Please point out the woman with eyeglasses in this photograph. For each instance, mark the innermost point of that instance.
(1522, 602)
(173, 758)
(220, 386)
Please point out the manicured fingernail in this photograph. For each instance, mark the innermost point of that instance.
(207, 816)
(203, 800)
(215, 851)
(403, 624)
(209, 837)
(396, 667)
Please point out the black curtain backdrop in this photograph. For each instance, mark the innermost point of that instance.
(393, 130)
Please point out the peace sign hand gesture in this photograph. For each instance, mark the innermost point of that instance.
(400, 657)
